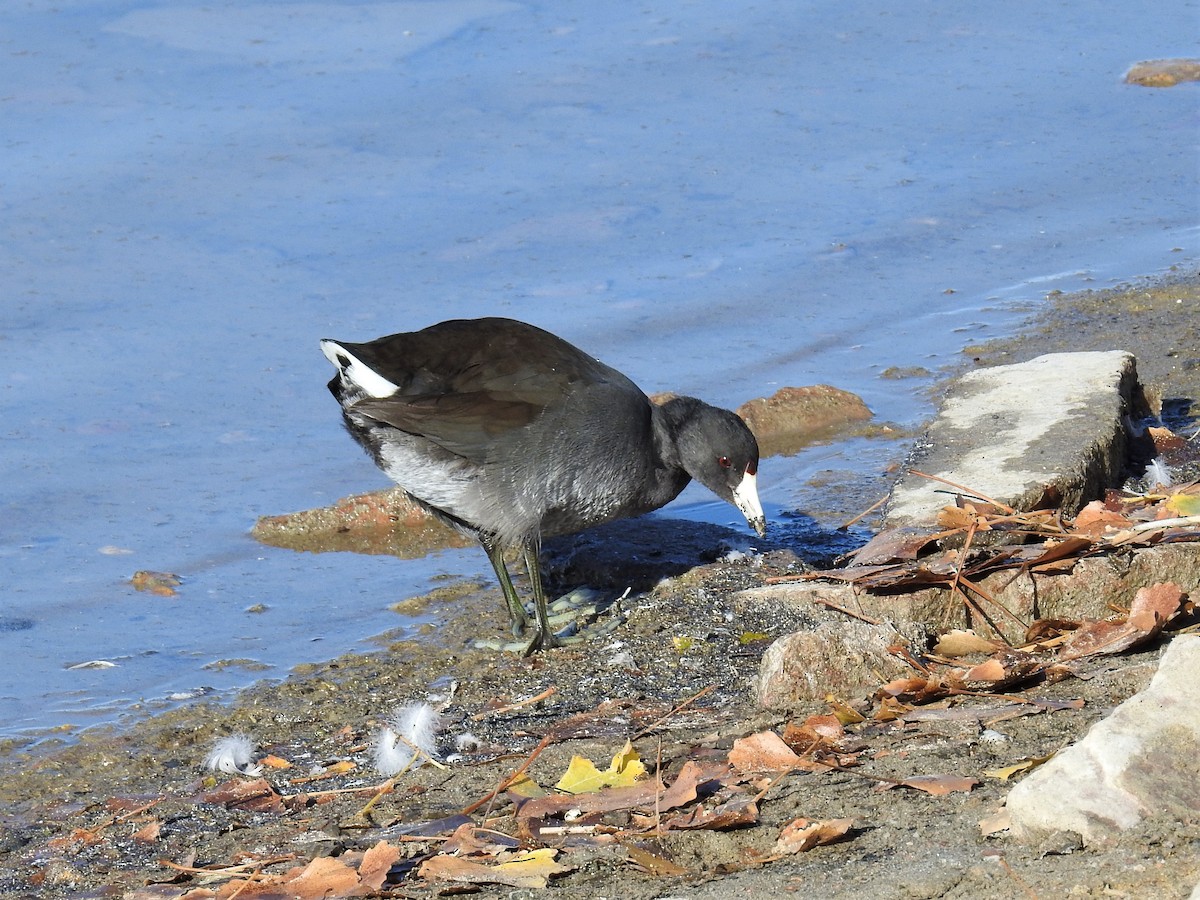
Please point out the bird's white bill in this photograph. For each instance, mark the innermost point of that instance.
(745, 498)
(357, 372)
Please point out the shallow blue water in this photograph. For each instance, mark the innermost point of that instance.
(717, 198)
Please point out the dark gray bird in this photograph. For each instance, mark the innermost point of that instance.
(511, 434)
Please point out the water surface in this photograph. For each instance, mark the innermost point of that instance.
(719, 198)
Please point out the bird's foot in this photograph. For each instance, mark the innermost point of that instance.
(543, 640)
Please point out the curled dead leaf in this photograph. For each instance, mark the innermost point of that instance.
(963, 642)
(938, 785)
(800, 835)
(255, 796)
(653, 863)
(1152, 608)
(734, 813)
(149, 832)
(762, 752)
(1025, 765)
(527, 870)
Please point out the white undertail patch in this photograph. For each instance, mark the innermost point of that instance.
(358, 373)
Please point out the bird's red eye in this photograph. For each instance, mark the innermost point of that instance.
(723, 462)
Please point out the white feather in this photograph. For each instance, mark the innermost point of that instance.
(411, 731)
(1158, 474)
(233, 755)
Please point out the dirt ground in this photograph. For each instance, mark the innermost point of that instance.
(99, 817)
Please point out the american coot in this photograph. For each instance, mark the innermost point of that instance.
(510, 433)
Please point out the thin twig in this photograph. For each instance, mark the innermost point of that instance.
(831, 605)
(845, 526)
(990, 598)
(690, 700)
(254, 876)
(1162, 524)
(385, 788)
(965, 490)
(227, 871)
(548, 692)
(545, 742)
(1029, 892)
(658, 792)
(963, 556)
(978, 610)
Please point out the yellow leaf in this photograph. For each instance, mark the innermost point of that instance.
(582, 776)
(532, 864)
(526, 787)
(340, 767)
(845, 713)
(527, 870)
(626, 759)
(1006, 772)
(1184, 504)
(682, 644)
(752, 637)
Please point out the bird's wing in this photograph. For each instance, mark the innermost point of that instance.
(466, 424)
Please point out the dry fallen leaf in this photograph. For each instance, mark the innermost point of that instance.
(583, 777)
(148, 833)
(801, 834)
(1152, 607)
(762, 752)
(1182, 504)
(468, 840)
(323, 877)
(1025, 765)
(529, 870)
(995, 823)
(162, 584)
(734, 813)
(652, 863)
(375, 865)
(963, 642)
(254, 796)
(1095, 519)
(991, 670)
(938, 785)
(524, 786)
(845, 713)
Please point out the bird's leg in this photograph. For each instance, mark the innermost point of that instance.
(516, 612)
(531, 548)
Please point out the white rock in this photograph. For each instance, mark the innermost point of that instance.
(1143, 759)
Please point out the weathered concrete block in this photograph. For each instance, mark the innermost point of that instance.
(1051, 431)
(1141, 760)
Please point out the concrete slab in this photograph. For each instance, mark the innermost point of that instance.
(1048, 432)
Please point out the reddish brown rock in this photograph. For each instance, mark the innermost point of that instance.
(794, 417)
(381, 522)
(1163, 72)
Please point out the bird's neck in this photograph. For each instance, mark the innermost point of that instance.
(666, 422)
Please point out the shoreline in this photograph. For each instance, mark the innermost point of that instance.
(683, 637)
